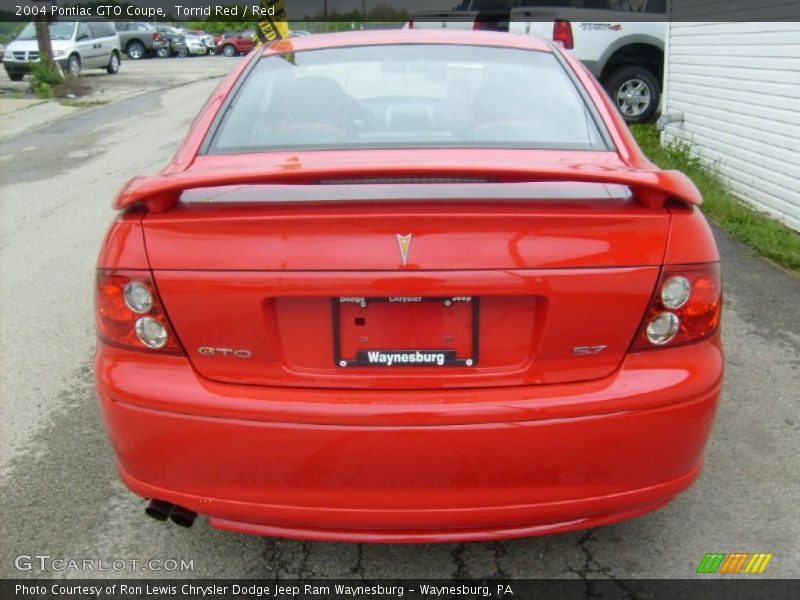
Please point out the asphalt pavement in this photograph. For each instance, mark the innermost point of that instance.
(59, 492)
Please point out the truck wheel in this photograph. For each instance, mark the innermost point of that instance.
(635, 91)
(229, 50)
(16, 76)
(136, 50)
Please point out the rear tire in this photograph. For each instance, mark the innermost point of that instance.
(229, 50)
(136, 50)
(163, 52)
(113, 64)
(183, 53)
(635, 91)
(16, 76)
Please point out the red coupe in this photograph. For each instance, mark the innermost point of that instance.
(408, 286)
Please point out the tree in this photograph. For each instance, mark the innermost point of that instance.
(43, 30)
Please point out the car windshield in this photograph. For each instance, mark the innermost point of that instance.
(408, 96)
(58, 31)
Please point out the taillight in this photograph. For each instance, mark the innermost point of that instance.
(481, 24)
(686, 308)
(156, 37)
(411, 23)
(562, 33)
(129, 312)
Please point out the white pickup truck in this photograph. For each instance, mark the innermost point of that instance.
(620, 41)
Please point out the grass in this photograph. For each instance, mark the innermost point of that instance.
(768, 237)
(45, 78)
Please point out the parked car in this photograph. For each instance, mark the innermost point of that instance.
(236, 43)
(626, 55)
(622, 43)
(207, 40)
(196, 45)
(495, 319)
(77, 45)
(2, 51)
(140, 40)
(176, 42)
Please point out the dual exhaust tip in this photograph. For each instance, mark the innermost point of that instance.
(161, 511)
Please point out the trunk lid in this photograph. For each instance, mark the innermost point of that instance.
(498, 284)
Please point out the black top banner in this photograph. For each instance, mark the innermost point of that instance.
(356, 589)
(438, 13)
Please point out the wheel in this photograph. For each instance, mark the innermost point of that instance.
(16, 76)
(74, 65)
(229, 50)
(136, 50)
(636, 92)
(183, 53)
(163, 52)
(113, 64)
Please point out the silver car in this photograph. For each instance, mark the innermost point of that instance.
(77, 45)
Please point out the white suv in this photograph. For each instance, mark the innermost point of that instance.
(76, 45)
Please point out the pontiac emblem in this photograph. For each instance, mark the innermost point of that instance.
(404, 241)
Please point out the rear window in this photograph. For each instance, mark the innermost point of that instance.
(407, 96)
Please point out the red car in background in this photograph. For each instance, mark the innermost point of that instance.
(233, 44)
(408, 286)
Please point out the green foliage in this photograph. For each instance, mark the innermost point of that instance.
(217, 27)
(43, 89)
(8, 30)
(765, 235)
(45, 78)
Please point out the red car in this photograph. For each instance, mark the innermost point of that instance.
(233, 44)
(408, 286)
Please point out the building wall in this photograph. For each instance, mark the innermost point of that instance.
(738, 87)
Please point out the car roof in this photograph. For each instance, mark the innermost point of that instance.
(407, 36)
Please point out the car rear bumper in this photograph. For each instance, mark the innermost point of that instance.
(421, 466)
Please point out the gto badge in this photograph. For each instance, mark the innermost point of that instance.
(404, 241)
(225, 352)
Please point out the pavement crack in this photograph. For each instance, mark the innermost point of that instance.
(358, 568)
(457, 556)
(306, 548)
(591, 570)
(499, 551)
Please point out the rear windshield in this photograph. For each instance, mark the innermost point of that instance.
(407, 96)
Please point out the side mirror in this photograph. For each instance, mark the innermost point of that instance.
(82, 36)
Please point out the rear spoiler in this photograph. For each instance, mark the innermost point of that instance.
(650, 188)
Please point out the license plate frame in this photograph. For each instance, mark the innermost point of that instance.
(441, 357)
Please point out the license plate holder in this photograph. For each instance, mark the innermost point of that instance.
(406, 331)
